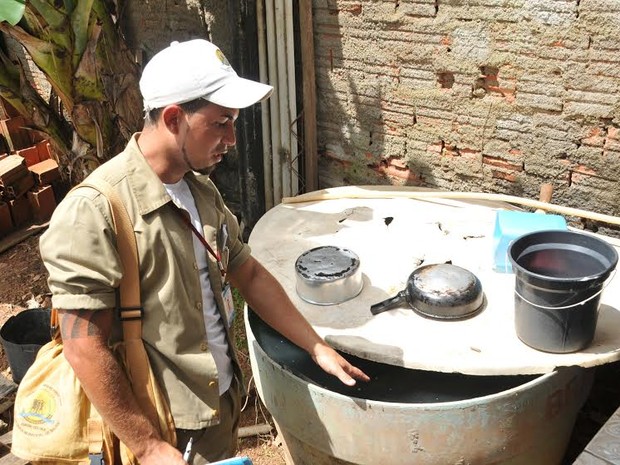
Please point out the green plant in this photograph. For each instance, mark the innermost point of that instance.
(80, 49)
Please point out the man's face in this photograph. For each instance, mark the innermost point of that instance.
(210, 133)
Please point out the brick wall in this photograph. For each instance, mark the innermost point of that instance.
(474, 95)
(151, 26)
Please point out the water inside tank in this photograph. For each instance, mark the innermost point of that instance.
(388, 383)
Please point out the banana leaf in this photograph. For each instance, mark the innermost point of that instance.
(12, 11)
(78, 47)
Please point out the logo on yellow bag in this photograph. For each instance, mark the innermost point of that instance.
(37, 415)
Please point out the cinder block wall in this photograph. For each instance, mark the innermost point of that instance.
(473, 95)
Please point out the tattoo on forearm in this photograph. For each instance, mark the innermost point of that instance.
(79, 323)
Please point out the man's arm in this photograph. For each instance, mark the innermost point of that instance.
(85, 337)
(269, 300)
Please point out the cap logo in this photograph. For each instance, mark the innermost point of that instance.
(221, 57)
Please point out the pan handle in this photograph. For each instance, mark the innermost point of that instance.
(388, 303)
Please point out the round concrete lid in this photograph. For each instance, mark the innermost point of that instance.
(392, 237)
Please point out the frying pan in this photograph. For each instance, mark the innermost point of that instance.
(441, 291)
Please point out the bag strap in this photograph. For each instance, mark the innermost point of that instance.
(130, 309)
(130, 305)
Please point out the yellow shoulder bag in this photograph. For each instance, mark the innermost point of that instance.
(54, 422)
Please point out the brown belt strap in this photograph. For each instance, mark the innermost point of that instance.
(130, 303)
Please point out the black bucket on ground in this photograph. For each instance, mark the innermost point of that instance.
(22, 336)
(559, 278)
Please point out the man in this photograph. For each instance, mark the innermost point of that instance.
(189, 249)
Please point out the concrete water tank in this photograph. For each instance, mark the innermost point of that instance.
(463, 392)
(422, 418)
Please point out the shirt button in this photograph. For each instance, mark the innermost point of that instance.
(195, 266)
(204, 346)
(211, 383)
(198, 305)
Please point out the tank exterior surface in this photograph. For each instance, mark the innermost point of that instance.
(530, 424)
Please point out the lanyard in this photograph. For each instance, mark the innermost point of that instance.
(188, 222)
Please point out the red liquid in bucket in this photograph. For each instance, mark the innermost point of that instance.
(559, 278)
(557, 263)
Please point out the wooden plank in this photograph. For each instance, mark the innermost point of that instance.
(6, 405)
(586, 458)
(20, 235)
(9, 459)
(7, 400)
(7, 438)
(7, 387)
(604, 444)
(311, 170)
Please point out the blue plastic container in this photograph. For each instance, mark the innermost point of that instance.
(234, 461)
(509, 225)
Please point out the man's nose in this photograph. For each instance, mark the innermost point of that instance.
(230, 139)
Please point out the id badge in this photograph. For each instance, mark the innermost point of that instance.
(229, 305)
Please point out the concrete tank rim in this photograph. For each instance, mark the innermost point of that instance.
(539, 379)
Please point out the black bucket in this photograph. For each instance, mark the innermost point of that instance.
(22, 336)
(559, 278)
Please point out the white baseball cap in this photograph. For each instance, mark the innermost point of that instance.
(186, 71)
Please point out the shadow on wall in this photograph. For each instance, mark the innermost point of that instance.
(368, 125)
(352, 123)
(444, 95)
(398, 106)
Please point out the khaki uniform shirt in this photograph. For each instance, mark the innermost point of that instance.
(79, 252)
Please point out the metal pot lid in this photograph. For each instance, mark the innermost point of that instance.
(328, 275)
(445, 291)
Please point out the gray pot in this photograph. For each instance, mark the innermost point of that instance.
(328, 275)
(441, 291)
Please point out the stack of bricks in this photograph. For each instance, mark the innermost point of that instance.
(26, 192)
(27, 174)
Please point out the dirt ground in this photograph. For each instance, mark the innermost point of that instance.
(23, 284)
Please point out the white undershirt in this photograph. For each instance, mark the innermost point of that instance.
(216, 334)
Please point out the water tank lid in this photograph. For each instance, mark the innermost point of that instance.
(420, 232)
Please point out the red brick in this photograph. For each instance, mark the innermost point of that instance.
(398, 163)
(21, 212)
(502, 175)
(15, 133)
(45, 172)
(30, 154)
(396, 169)
(6, 222)
(501, 163)
(437, 147)
(581, 172)
(45, 150)
(595, 137)
(467, 152)
(42, 202)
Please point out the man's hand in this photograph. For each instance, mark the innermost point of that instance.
(160, 453)
(269, 300)
(334, 364)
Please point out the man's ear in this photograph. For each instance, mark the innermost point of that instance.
(171, 116)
